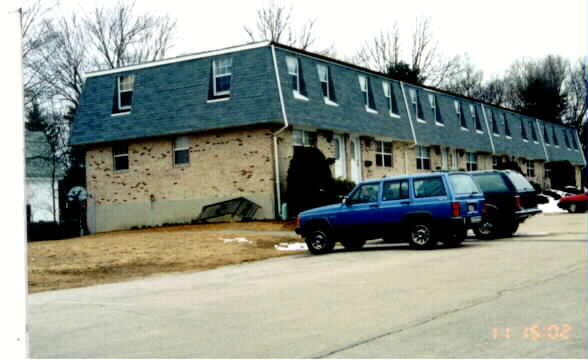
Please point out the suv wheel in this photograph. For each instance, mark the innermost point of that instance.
(420, 236)
(353, 245)
(486, 229)
(319, 241)
(509, 229)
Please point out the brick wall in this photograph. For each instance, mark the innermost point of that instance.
(222, 165)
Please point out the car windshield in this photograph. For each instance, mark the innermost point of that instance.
(520, 183)
(492, 182)
(463, 184)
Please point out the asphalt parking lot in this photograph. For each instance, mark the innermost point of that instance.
(523, 296)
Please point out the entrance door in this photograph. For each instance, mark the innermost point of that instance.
(444, 158)
(355, 160)
(339, 157)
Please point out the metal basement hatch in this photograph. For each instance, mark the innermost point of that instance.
(238, 209)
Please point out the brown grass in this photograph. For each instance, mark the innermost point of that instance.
(122, 255)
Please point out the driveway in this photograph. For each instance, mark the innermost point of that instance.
(485, 299)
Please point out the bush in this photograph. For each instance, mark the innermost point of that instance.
(342, 187)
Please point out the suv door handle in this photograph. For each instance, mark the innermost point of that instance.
(375, 206)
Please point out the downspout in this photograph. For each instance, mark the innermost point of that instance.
(408, 112)
(278, 132)
(540, 132)
(489, 132)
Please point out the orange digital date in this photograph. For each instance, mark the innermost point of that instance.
(536, 332)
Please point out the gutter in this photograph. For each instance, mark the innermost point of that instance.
(408, 112)
(278, 132)
(488, 129)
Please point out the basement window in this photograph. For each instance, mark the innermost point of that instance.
(304, 138)
(120, 156)
(384, 154)
(423, 158)
(182, 150)
(124, 94)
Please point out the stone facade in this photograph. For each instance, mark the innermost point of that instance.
(223, 165)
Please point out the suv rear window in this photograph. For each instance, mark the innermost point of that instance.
(520, 183)
(463, 184)
(427, 187)
(491, 182)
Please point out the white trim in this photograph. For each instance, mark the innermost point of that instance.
(370, 110)
(508, 137)
(119, 91)
(214, 76)
(525, 140)
(480, 131)
(179, 59)
(297, 95)
(329, 101)
(121, 113)
(421, 121)
(580, 150)
(464, 128)
(218, 100)
(408, 112)
(393, 115)
(439, 123)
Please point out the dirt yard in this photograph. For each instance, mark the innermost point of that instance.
(122, 255)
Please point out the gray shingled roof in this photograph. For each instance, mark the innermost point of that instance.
(172, 98)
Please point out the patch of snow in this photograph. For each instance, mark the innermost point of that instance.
(239, 239)
(296, 246)
(551, 206)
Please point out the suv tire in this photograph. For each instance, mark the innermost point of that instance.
(508, 229)
(319, 241)
(421, 236)
(353, 245)
(486, 229)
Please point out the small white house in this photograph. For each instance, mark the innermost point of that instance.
(41, 178)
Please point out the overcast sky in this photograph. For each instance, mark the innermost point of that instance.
(493, 33)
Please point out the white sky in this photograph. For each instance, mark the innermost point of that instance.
(493, 33)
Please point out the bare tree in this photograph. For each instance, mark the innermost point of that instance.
(120, 37)
(384, 52)
(275, 22)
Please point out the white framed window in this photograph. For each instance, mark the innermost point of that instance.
(554, 137)
(323, 74)
(506, 127)
(546, 135)
(434, 109)
(391, 100)
(471, 161)
(414, 99)
(384, 156)
(494, 123)
(476, 118)
(120, 157)
(423, 158)
(222, 73)
(530, 168)
(126, 85)
(523, 131)
(181, 150)
(364, 85)
(534, 132)
(566, 140)
(458, 114)
(294, 72)
(304, 138)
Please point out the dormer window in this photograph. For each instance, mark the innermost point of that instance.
(554, 136)
(326, 84)
(533, 132)
(567, 141)
(435, 109)
(389, 94)
(545, 134)
(475, 118)
(506, 127)
(574, 141)
(368, 98)
(125, 92)
(458, 113)
(221, 74)
(416, 108)
(523, 131)
(495, 130)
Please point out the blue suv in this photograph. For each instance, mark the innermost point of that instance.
(420, 209)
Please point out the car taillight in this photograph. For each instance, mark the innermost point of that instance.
(297, 221)
(454, 209)
(518, 204)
